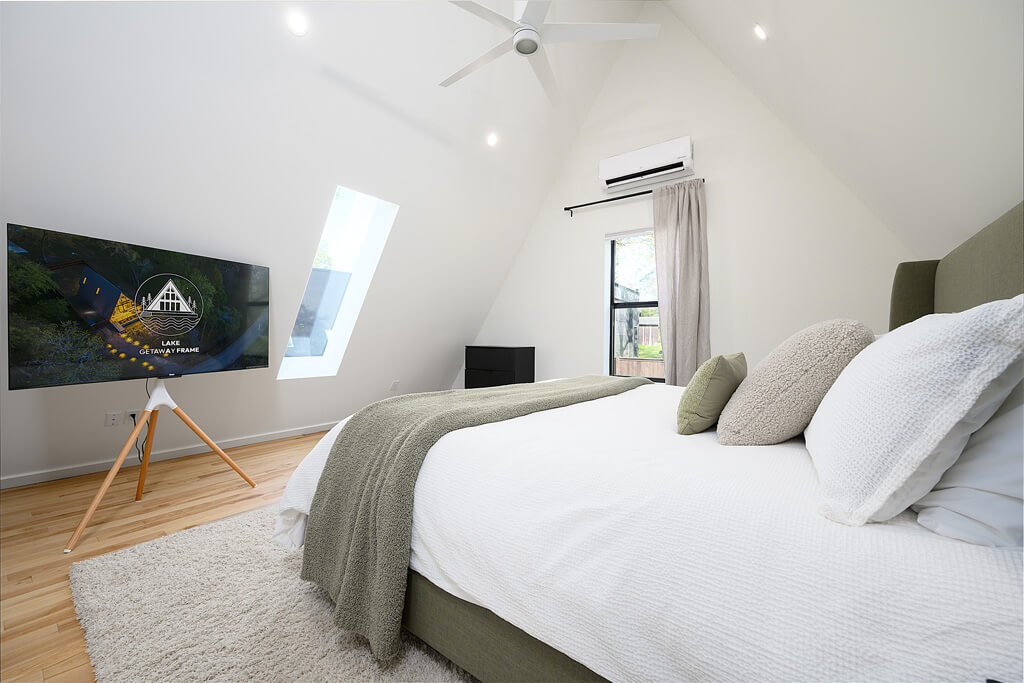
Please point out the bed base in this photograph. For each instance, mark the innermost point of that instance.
(481, 642)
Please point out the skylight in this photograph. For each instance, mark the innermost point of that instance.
(350, 246)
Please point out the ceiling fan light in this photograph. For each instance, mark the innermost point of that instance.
(526, 47)
(760, 32)
(526, 41)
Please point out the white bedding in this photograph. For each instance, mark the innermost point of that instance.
(648, 555)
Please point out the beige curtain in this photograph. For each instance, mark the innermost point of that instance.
(681, 257)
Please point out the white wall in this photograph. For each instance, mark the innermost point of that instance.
(789, 244)
(915, 104)
(208, 128)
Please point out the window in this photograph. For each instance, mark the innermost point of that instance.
(350, 246)
(634, 344)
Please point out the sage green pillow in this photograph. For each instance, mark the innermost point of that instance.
(708, 391)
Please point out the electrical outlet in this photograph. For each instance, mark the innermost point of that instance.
(394, 386)
(113, 418)
(133, 415)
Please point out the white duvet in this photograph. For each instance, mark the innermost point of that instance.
(646, 555)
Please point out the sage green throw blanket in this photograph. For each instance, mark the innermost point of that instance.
(359, 531)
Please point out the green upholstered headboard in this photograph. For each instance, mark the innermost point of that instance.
(987, 267)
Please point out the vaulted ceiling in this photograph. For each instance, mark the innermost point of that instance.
(917, 105)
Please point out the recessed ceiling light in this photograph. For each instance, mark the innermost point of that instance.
(492, 139)
(297, 22)
(760, 32)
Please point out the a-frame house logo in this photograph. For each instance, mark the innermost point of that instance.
(171, 308)
(169, 300)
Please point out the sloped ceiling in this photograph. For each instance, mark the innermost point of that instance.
(206, 127)
(916, 104)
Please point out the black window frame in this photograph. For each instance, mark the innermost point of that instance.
(616, 305)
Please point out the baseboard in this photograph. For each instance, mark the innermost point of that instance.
(167, 454)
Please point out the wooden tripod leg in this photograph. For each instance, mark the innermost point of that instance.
(106, 482)
(150, 433)
(209, 442)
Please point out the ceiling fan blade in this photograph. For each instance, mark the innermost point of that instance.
(489, 56)
(487, 14)
(571, 33)
(535, 12)
(542, 67)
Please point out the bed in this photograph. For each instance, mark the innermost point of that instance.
(591, 542)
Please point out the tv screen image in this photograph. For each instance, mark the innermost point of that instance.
(84, 310)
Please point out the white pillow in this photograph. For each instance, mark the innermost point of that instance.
(901, 412)
(979, 498)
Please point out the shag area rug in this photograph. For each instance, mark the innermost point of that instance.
(222, 602)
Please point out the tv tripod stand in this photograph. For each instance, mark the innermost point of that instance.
(160, 398)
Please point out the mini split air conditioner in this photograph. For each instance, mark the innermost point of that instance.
(647, 166)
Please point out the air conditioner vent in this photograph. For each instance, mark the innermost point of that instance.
(667, 168)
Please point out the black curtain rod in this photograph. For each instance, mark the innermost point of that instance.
(570, 209)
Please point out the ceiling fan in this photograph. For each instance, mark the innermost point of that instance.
(530, 33)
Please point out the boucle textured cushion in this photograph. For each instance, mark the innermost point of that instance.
(902, 411)
(708, 391)
(779, 397)
(978, 499)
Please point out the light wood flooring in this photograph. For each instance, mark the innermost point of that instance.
(40, 638)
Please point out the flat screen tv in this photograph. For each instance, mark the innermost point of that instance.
(81, 310)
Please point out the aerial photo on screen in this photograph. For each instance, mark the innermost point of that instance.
(82, 310)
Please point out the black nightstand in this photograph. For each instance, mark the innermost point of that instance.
(491, 366)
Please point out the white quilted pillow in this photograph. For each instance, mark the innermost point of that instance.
(901, 412)
(980, 499)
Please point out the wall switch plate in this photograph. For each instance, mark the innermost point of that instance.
(113, 418)
(394, 386)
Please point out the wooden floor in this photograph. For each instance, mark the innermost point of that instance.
(40, 638)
